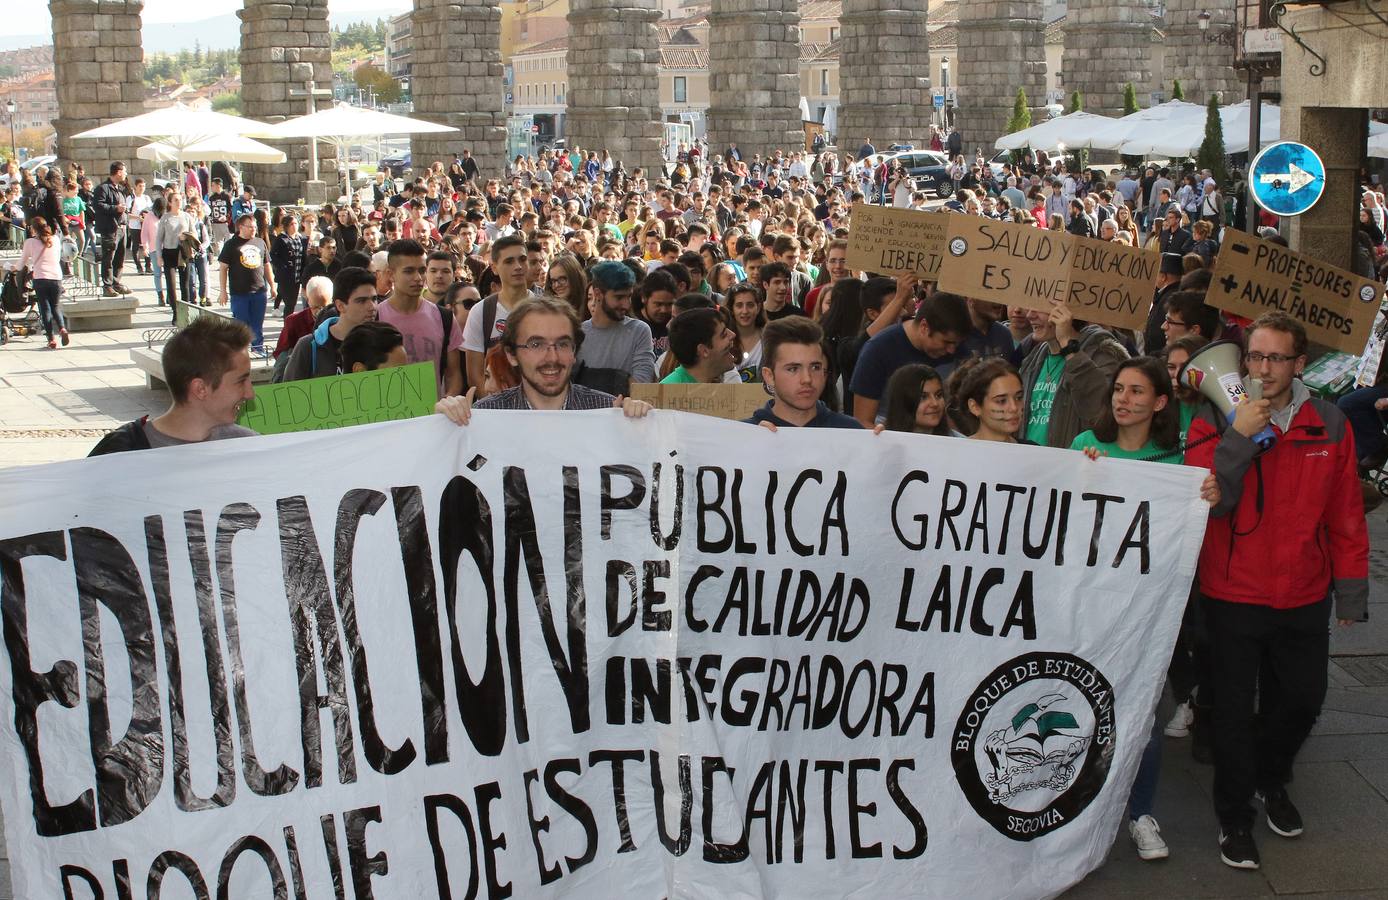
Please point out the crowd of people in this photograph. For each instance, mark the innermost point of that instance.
(566, 280)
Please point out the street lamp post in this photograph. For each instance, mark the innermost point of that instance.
(944, 78)
(11, 107)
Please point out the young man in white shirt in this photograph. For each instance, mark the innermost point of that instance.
(508, 256)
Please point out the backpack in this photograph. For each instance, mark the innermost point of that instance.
(488, 323)
(447, 315)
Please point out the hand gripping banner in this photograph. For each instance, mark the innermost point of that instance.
(576, 655)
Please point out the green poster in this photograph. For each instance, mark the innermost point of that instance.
(378, 396)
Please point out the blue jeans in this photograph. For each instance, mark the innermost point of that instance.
(197, 278)
(1364, 420)
(1144, 791)
(250, 308)
(49, 290)
(156, 265)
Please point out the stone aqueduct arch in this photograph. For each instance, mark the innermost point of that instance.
(613, 62)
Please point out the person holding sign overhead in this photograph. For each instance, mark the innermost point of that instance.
(931, 337)
(1065, 377)
(1287, 536)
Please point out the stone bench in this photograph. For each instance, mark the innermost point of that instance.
(100, 315)
(150, 360)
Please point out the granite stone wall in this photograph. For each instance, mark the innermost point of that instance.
(99, 67)
(754, 76)
(456, 79)
(884, 73)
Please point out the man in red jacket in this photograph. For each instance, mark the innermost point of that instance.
(1287, 535)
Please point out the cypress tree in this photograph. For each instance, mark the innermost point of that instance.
(1211, 154)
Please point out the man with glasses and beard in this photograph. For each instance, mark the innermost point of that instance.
(542, 341)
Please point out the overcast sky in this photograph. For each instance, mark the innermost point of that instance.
(31, 17)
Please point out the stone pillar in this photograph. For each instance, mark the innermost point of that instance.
(1108, 43)
(457, 80)
(1326, 230)
(1203, 67)
(99, 69)
(1002, 47)
(884, 73)
(613, 96)
(754, 77)
(283, 47)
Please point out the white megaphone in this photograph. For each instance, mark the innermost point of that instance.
(1213, 370)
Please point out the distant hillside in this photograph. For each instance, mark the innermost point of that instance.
(217, 33)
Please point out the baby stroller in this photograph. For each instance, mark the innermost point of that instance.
(18, 316)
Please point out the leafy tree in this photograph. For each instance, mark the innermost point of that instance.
(369, 77)
(1211, 153)
(1129, 107)
(229, 103)
(1020, 120)
(1176, 92)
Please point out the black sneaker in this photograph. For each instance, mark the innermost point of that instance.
(1236, 848)
(1283, 817)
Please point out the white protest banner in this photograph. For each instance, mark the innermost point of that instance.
(569, 654)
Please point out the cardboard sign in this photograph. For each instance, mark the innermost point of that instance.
(1254, 276)
(378, 396)
(1022, 265)
(725, 401)
(885, 239)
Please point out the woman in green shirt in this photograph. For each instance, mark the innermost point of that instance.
(1143, 419)
(1143, 422)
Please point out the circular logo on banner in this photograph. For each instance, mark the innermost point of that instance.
(958, 247)
(1368, 293)
(1034, 743)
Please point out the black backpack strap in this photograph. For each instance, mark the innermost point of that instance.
(447, 334)
(488, 322)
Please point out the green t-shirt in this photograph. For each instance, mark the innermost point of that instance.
(1188, 411)
(679, 376)
(1043, 398)
(1149, 451)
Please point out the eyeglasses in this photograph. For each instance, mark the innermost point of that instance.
(563, 346)
(1276, 359)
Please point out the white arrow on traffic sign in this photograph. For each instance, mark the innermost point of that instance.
(1296, 179)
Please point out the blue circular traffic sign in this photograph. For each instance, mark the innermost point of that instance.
(1287, 178)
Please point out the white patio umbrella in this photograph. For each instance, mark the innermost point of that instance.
(1378, 145)
(1182, 135)
(342, 125)
(226, 148)
(178, 128)
(1076, 129)
(1144, 122)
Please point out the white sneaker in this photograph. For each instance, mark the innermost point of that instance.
(1146, 834)
(1181, 720)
